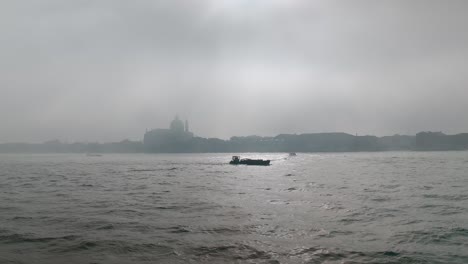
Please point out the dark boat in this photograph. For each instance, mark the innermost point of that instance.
(236, 161)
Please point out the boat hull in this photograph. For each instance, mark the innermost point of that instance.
(251, 162)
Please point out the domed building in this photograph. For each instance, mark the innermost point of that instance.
(173, 139)
(177, 125)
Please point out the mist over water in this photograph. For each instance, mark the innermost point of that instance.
(392, 207)
(107, 71)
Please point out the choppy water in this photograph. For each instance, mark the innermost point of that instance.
(393, 207)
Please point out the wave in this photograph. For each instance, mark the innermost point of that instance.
(242, 253)
(22, 238)
(446, 197)
(440, 236)
(115, 246)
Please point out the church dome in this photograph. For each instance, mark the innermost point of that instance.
(177, 125)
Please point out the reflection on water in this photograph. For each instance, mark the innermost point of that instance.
(311, 208)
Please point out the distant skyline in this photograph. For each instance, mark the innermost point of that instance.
(108, 70)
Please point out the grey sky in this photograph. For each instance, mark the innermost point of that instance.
(107, 70)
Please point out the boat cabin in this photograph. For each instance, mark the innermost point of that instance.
(235, 159)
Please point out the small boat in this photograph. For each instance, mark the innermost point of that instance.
(292, 154)
(236, 161)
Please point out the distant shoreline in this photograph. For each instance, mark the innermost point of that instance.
(283, 143)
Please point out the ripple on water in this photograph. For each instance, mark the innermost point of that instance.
(447, 197)
(438, 235)
(113, 246)
(321, 208)
(229, 253)
(30, 238)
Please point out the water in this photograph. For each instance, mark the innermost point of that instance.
(392, 207)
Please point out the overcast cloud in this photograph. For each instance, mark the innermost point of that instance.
(107, 70)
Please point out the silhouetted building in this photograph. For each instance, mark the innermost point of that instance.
(174, 139)
(441, 141)
(179, 139)
(177, 125)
